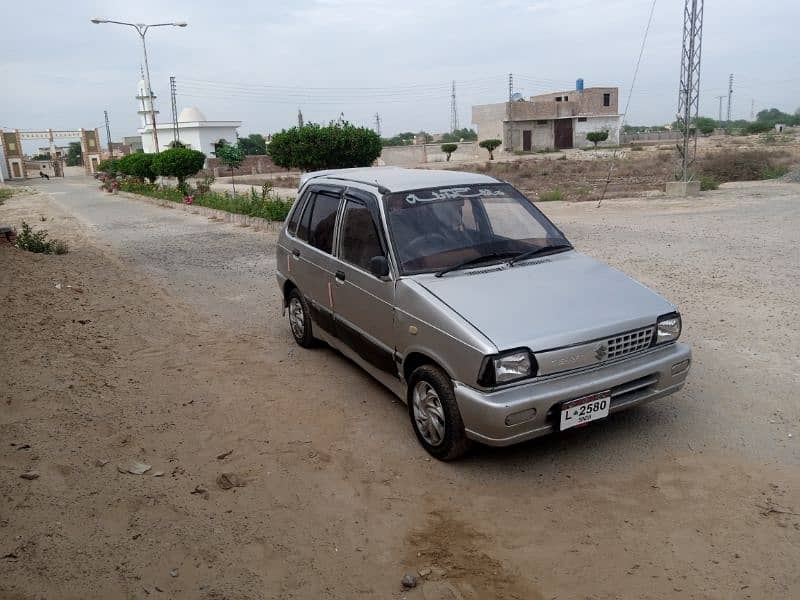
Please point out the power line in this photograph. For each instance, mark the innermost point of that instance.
(689, 92)
(730, 97)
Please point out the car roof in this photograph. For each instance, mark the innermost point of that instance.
(398, 179)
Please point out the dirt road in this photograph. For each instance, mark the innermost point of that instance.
(169, 349)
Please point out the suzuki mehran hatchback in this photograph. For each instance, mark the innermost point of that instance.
(454, 291)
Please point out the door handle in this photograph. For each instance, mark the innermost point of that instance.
(296, 253)
(340, 275)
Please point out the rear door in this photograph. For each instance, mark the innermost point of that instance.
(312, 262)
(364, 303)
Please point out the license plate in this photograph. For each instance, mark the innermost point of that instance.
(585, 410)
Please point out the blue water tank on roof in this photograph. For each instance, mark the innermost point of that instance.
(579, 85)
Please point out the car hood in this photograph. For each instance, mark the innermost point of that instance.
(550, 302)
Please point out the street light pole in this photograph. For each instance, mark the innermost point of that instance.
(141, 29)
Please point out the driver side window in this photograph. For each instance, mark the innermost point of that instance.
(360, 241)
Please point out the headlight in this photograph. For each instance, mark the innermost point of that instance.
(507, 367)
(668, 328)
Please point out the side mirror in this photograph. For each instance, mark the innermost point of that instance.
(379, 266)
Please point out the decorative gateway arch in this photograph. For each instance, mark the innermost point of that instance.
(13, 160)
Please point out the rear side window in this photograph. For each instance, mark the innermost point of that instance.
(305, 217)
(322, 220)
(291, 226)
(359, 238)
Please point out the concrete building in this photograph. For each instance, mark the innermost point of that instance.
(194, 130)
(134, 142)
(558, 120)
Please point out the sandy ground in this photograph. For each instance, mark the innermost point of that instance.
(169, 349)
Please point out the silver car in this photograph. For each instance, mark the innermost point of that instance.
(454, 291)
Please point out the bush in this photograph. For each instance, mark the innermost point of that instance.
(758, 127)
(597, 136)
(109, 166)
(707, 183)
(743, 165)
(449, 149)
(36, 241)
(490, 145)
(553, 195)
(138, 165)
(705, 125)
(313, 147)
(5, 194)
(774, 171)
(179, 163)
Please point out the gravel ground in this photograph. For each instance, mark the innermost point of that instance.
(185, 356)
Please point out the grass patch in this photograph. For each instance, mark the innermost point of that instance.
(774, 171)
(554, 195)
(38, 241)
(5, 194)
(264, 205)
(707, 183)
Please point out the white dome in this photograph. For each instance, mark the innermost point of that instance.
(191, 114)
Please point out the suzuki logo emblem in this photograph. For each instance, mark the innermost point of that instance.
(601, 351)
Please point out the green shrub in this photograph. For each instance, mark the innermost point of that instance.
(263, 205)
(109, 166)
(314, 147)
(179, 163)
(553, 195)
(449, 149)
(490, 145)
(707, 183)
(37, 241)
(5, 194)
(138, 165)
(774, 171)
(597, 136)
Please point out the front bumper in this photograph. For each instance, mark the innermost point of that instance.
(632, 382)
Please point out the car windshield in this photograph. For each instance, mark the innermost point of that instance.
(436, 229)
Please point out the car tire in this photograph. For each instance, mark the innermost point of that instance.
(300, 319)
(434, 414)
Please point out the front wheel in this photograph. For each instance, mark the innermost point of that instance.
(434, 414)
(300, 319)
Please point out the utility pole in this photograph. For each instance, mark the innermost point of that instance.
(510, 86)
(299, 118)
(108, 136)
(689, 90)
(507, 141)
(752, 109)
(378, 124)
(719, 121)
(453, 109)
(730, 97)
(176, 134)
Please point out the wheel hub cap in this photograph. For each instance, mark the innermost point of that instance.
(428, 413)
(296, 317)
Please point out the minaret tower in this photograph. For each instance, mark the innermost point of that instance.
(145, 104)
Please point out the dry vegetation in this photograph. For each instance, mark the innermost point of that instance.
(640, 172)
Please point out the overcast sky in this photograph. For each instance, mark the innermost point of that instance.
(259, 62)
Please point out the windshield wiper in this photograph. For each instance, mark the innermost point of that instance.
(542, 250)
(473, 261)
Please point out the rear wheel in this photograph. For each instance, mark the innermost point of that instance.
(300, 319)
(434, 413)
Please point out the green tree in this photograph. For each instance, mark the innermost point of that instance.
(138, 165)
(177, 144)
(449, 149)
(597, 136)
(490, 145)
(74, 155)
(253, 144)
(232, 157)
(179, 163)
(460, 135)
(335, 146)
(705, 125)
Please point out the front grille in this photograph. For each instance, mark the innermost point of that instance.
(628, 343)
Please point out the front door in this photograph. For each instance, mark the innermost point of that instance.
(563, 133)
(526, 140)
(363, 303)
